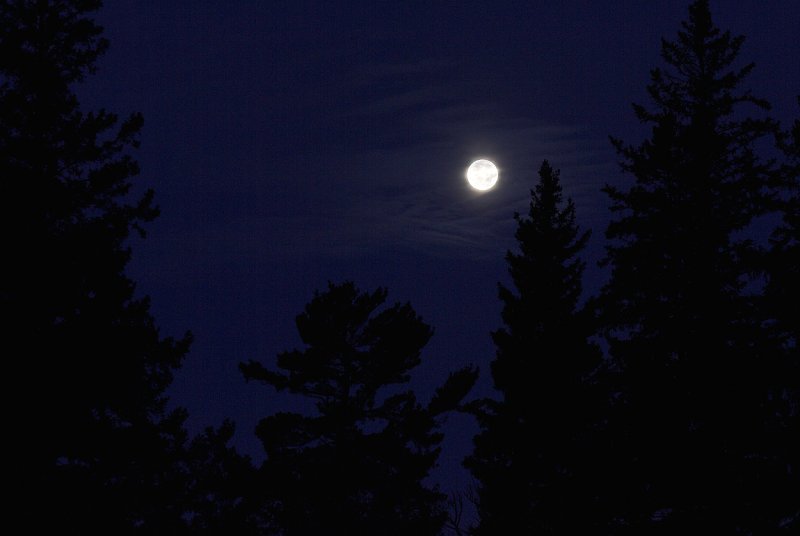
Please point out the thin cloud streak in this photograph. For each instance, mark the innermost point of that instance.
(412, 195)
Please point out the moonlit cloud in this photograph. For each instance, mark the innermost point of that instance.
(405, 187)
(414, 195)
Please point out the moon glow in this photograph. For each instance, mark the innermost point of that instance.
(482, 175)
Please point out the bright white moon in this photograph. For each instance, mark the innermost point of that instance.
(482, 175)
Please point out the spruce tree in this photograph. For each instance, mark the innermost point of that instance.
(781, 322)
(537, 457)
(96, 450)
(357, 464)
(783, 289)
(693, 421)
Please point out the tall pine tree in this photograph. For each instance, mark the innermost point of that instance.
(783, 289)
(97, 451)
(695, 425)
(536, 459)
(781, 320)
(356, 465)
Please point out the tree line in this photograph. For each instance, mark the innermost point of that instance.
(668, 403)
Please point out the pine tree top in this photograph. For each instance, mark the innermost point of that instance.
(546, 272)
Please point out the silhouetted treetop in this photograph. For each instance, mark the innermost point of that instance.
(356, 466)
(350, 355)
(50, 42)
(100, 451)
(547, 276)
(698, 179)
(698, 443)
(536, 458)
(75, 164)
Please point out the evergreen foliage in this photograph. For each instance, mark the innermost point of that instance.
(701, 447)
(358, 464)
(539, 449)
(99, 451)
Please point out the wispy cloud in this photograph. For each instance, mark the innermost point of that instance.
(412, 193)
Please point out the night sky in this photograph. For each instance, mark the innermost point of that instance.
(293, 143)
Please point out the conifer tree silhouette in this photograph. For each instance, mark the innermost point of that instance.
(537, 458)
(781, 324)
(221, 491)
(783, 289)
(695, 426)
(98, 452)
(357, 465)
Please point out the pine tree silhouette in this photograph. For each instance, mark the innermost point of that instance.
(221, 491)
(781, 324)
(357, 465)
(537, 458)
(96, 450)
(695, 428)
(783, 290)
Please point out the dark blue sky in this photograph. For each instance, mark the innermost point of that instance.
(292, 143)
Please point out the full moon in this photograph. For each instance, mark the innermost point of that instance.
(482, 174)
